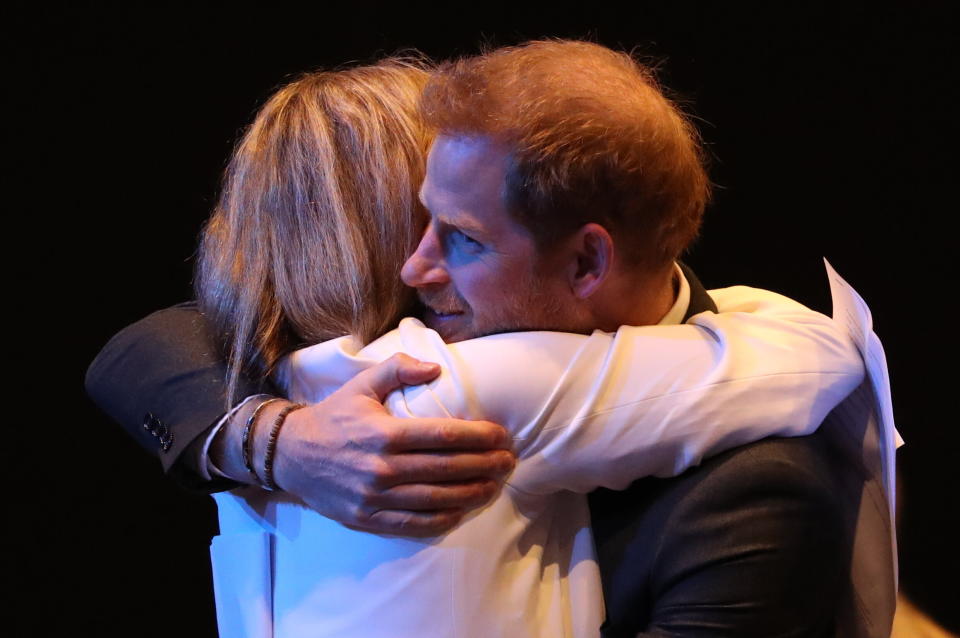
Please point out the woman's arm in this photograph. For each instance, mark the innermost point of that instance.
(606, 409)
(660, 399)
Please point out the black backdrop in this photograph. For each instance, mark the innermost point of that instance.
(827, 127)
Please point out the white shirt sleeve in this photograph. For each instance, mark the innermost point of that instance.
(606, 409)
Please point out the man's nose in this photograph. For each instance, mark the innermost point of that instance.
(426, 265)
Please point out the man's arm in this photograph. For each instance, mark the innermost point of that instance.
(161, 379)
(351, 461)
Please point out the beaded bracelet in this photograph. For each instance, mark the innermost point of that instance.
(268, 483)
(246, 442)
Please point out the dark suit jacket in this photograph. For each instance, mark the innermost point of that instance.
(163, 379)
(751, 543)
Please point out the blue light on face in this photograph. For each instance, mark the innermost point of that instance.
(460, 248)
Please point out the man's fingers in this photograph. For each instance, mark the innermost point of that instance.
(385, 377)
(446, 434)
(445, 467)
(406, 523)
(428, 497)
(412, 371)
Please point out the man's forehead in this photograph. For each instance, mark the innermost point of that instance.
(465, 179)
(466, 162)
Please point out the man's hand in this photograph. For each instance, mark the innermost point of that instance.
(350, 460)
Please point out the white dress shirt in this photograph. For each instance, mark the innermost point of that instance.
(584, 412)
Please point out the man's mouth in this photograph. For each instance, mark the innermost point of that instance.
(447, 321)
(444, 311)
(440, 306)
(442, 315)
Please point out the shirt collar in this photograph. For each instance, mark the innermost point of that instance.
(679, 308)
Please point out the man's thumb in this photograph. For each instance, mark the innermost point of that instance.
(399, 370)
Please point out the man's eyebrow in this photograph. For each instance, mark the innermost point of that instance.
(459, 222)
(463, 223)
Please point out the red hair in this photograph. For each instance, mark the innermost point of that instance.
(594, 140)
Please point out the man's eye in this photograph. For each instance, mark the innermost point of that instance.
(466, 241)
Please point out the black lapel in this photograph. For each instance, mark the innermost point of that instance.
(700, 301)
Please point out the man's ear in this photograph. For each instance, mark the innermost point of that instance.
(591, 259)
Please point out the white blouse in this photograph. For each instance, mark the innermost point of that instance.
(584, 412)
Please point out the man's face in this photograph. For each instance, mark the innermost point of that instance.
(477, 270)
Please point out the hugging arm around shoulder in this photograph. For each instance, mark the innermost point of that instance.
(604, 410)
(162, 379)
(673, 396)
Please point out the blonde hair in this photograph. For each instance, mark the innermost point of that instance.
(317, 213)
(594, 140)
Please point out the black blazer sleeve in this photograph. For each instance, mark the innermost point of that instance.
(750, 544)
(163, 380)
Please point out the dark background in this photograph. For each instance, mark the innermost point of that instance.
(827, 129)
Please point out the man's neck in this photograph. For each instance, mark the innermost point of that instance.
(633, 301)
